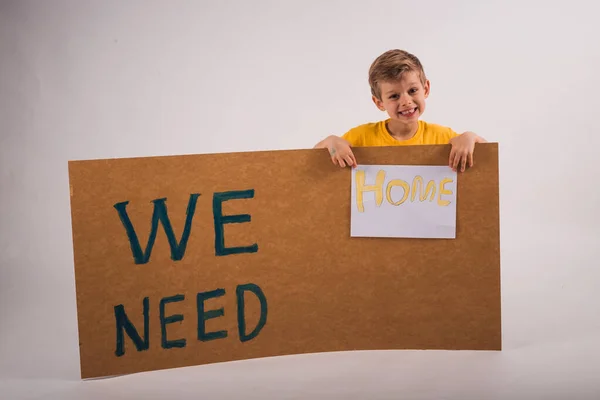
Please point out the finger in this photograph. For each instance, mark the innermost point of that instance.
(470, 159)
(341, 162)
(334, 160)
(451, 160)
(463, 163)
(354, 163)
(456, 161)
(349, 161)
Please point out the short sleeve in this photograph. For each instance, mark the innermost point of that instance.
(443, 134)
(355, 136)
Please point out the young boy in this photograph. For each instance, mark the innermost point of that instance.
(399, 87)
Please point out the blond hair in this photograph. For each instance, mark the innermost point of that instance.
(390, 66)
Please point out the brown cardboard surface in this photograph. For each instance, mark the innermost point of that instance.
(324, 290)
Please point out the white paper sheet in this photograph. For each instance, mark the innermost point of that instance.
(427, 209)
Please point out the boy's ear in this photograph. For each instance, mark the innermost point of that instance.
(427, 88)
(378, 103)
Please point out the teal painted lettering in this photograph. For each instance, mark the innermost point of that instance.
(220, 220)
(124, 324)
(241, 314)
(159, 215)
(168, 344)
(204, 316)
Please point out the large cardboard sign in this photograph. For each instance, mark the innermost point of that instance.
(196, 259)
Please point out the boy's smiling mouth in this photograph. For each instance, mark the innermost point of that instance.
(408, 113)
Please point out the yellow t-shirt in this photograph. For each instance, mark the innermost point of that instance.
(377, 134)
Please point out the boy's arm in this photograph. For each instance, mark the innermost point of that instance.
(323, 143)
(477, 138)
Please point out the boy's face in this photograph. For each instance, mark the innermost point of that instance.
(403, 99)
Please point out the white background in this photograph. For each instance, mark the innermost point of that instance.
(100, 79)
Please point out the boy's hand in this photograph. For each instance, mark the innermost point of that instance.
(339, 150)
(462, 150)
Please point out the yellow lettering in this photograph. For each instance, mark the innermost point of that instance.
(397, 182)
(418, 184)
(424, 192)
(361, 188)
(444, 191)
